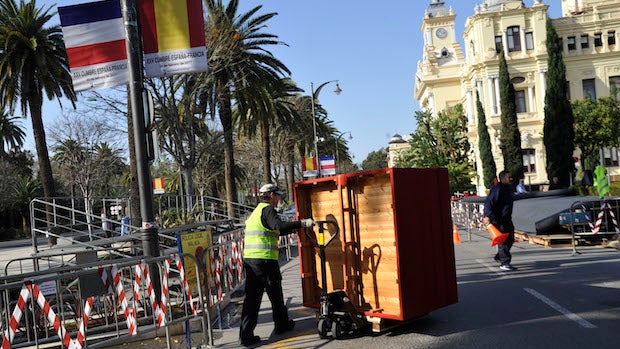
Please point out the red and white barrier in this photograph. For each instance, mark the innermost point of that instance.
(132, 324)
(605, 206)
(188, 292)
(37, 296)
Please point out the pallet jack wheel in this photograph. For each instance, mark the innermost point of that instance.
(323, 327)
(336, 330)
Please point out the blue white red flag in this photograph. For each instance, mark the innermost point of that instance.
(94, 36)
(328, 165)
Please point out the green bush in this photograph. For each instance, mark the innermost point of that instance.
(591, 190)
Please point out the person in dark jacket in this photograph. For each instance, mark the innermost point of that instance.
(498, 211)
(262, 231)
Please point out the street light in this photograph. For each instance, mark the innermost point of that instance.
(340, 134)
(315, 95)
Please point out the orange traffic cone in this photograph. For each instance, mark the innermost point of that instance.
(455, 235)
(497, 236)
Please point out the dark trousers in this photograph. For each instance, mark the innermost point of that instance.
(261, 275)
(503, 250)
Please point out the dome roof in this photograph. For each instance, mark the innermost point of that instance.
(396, 138)
(437, 8)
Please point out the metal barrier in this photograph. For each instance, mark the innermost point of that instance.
(69, 311)
(599, 216)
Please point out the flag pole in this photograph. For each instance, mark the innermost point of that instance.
(150, 242)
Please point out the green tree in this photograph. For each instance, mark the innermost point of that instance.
(441, 141)
(558, 130)
(375, 160)
(596, 127)
(489, 169)
(25, 189)
(239, 64)
(272, 108)
(33, 60)
(510, 136)
(11, 134)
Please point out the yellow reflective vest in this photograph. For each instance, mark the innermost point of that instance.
(260, 242)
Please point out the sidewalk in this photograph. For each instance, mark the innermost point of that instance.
(305, 318)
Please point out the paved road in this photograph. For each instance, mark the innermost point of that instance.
(554, 300)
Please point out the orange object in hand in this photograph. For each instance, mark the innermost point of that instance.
(497, 237)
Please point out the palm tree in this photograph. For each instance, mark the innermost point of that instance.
(24, 190)
(11, 134)
(276, 109)
(33, 60)
(110, 164)
(239, 64)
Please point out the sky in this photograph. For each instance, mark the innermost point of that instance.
(370, 47)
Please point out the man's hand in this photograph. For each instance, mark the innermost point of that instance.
(307, 223)
(486, 221)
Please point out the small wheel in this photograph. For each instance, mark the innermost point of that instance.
(323, 328)
(336, 330)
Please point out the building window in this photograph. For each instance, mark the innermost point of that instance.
(610, 156)
(585, 41)
(520, 101)
(498, 44)
(614, 85)
(598, 39)
(611, 37)
(589, 90)
(529, 161)
(514, 41)
(567, 90)
(529, 41)
(571, 43)
(562, 44)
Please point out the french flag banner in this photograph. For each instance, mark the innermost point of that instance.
(94, 36)
(308, 167)
(173, 37)
(328, 165)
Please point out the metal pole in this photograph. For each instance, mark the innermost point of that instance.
(150, 243)
(316, 140)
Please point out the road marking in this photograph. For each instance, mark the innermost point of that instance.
(578, 319)
(281, 344)
(494, 269)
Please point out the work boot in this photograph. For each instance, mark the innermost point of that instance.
(250, 341)
(287, 326)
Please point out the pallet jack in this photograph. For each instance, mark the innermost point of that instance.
(337, 314)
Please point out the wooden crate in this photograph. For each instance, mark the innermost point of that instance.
(394, 255)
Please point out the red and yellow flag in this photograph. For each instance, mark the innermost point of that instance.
(308, 167)
(172, 36)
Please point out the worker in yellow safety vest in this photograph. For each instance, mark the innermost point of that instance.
(260, 261)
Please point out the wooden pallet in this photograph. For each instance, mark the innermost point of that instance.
(553, 240)
(563, 240)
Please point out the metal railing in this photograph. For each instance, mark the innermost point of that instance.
(601, 213)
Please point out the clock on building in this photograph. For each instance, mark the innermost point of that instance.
(441, 33)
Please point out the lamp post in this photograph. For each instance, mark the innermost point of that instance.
(340, 134)
(315, 95)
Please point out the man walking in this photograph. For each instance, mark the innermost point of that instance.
(498, 211)
(262, 231)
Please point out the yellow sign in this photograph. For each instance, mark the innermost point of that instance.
(197, 244)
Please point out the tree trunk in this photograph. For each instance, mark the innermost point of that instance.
(225, 112)
(264, 134)
(134, 196)
(290, 163)
(45, 168)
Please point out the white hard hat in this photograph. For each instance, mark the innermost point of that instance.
(269, 188)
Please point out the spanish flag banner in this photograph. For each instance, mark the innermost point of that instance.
(173, 37)
(158, 185)
(309, 168)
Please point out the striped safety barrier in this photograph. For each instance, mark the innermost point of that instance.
(188, 293)
(130, 316)
(26, 291)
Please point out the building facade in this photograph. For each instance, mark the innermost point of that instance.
(448, 75)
